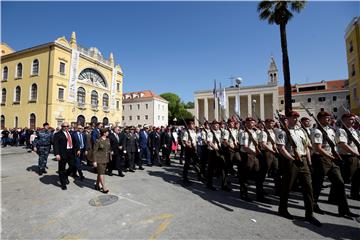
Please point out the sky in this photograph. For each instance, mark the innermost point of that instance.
(181, 47)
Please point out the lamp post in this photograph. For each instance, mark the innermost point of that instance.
(253, 106)
(238, 81)
(174, 121)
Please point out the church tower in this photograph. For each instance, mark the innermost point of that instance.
(273, 75)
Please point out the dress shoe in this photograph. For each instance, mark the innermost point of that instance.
(160, 165)
(348, 214)
(226, 189)
(110, 174)
(318, 210)
(313, 221)
(286, 214)
(63, 187)
(67, 181)
(121, 174)
(149, 165)
(44, 170)
(131, 170)
(104, 191)
(141, 168)
(97, 187)
(82, 178)
(40, 173)
(211, 187)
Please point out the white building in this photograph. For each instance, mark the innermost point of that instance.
(144, 107)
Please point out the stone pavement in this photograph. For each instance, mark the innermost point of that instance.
(150, 204)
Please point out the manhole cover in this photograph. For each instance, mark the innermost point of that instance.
(103, 200)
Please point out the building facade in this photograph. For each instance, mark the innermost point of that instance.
(352, 40)
(144, 107)
(59, 81)
(328, 96)
(261, 100)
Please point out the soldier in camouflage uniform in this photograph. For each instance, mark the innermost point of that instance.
(42, 145)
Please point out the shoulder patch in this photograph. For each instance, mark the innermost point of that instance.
(243, 137)
(317, 135)
(281, 136)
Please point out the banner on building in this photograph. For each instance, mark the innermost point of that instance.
(73, 74)
(113, 89)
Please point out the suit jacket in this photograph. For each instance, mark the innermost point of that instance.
(114, 143)
(95, 134)
(155, 140)
(166, 139)
(130, 143)
(60, 144)
(143, 139)
(76, 141)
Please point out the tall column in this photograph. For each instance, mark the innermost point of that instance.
(216, 109)
(262, 111)
(238, 110)
(196, 108)
(249, 106)
(227, 107)
(206, 108)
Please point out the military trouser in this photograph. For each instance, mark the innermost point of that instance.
(324, 167)
(352, 174)
(217, 160)
(204, 158)
(191, 158)
(43, 152)
(232, 158)
(270, 162)
(250, 165)
(290, 173)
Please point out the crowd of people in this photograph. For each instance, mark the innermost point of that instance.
(288, 149)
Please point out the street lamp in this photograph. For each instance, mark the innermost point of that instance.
(238, 81)
(175, 120)
(253, 106)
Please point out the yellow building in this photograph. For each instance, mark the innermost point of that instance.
(59, 81)
(352, 38)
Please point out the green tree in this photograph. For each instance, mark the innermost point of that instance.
(189, 105)
(279, 12)
(176, 107)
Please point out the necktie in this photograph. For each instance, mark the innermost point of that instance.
(117, 137)
(81, 141)
(69, 140)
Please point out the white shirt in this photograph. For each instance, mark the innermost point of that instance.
(318, 138)
(343, 138)
(192, 134)
(299, 137)
(246, 142)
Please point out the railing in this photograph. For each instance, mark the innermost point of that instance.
(93, 54)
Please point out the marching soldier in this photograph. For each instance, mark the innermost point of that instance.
(216, 158)
(349, 152)
(190, 142)
(231, 142)
(204, 151)
(250, 162)
(292, 145)
(325, 163)
(270, 153)
(42, 145)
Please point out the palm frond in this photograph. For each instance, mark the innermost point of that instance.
(265, 5)
(297, 6)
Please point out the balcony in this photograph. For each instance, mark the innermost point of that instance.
(81, 105)
(106, 109)
(94, 107)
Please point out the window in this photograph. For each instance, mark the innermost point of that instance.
(32, 121)
(118, 87)
(158, 117)
(322, 99)
(17, 94)
(81, 94)
(130, 107)
(335, 109)
(2, 121)
(5, 73)
(158, 106)
(352, 70)
(309, 99)
(147, 106)
(35, 67)
(334, 98)
(92, 76)
(138, 117)
(321, 109)
(282, 101)
(62, 68)
(33, 93)
(163, 108)
(350, 46)
(3, 96)
(61, 94)
(117, 105)
(355, 94)
(19, 70)
(146, 117)
(138, 106)
(94, 98)
(123, 118)
(123, 107)
(16, 122)
(105, 100)
(163, 118)
(130, 118)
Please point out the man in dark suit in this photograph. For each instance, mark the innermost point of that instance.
(130, 147)
(166, 142)
(64, 151)
(95, 134)
(155, 143)
(80, 144)
(144, 148)
(116, 162)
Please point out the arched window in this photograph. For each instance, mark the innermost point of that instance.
(105, 121)
(94, 120)
(94, 98)
(16, 122)
(81, 95)
(17, 94)
(5, 73)
(3, 96)
(35, 67)
(2, 121)
(19, 69)
(32, 121)
(105, 100)
(81, 120)
(92, 76)
(33, 93)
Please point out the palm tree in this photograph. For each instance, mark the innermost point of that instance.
(278, 12)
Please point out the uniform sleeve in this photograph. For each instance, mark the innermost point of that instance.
(317, 137)
(280, 137)
(263, 136)
(342, 136)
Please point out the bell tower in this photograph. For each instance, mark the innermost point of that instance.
(273, 75)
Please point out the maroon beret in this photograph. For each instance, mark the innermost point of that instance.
(304, 119)
(269, 120)
(348, 115)
(293, 114)
(323, 114)
(249, 119)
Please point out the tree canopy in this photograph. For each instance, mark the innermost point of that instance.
(177, 108)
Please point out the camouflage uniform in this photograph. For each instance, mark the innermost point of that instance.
(43, 145)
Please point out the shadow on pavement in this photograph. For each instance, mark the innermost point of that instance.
(50, 179)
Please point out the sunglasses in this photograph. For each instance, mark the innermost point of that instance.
(65, 126)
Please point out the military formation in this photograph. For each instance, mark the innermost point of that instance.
(286, 149)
